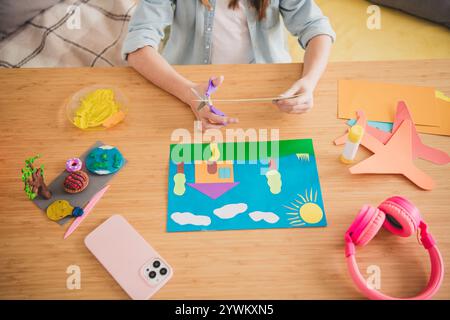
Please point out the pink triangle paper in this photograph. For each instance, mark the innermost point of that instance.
(213, 190)
(395, 158)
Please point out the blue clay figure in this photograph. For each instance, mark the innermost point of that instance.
(104, 160)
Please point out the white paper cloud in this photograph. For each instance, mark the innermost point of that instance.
(184, 218)
(268, 217)
(230, 210)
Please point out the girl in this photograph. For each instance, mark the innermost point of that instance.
(226, 31)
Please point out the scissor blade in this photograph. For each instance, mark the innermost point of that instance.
(201, 105)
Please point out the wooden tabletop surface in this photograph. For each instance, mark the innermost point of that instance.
(253, 264)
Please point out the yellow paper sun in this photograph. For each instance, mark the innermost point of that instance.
(305, 209)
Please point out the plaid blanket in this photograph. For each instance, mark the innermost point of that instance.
(72, 33)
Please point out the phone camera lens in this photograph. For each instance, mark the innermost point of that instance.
(156, 264)
(163, 271)
(152, 274)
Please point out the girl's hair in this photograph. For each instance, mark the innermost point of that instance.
(259, 5)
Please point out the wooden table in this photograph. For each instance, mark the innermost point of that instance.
(255, 264)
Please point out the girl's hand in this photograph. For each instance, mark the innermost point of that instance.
(209, 120)
(300, 104)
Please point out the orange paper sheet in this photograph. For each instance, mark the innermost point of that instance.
(443, 127)
(379, 101)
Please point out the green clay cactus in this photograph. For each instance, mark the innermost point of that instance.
(33, 179)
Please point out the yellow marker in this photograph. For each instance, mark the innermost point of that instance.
(355, 135)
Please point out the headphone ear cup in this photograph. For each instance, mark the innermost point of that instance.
(369, 226)
(402, 217)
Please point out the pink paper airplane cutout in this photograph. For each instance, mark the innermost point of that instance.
(396, 157)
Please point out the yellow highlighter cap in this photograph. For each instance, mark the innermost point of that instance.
(355, 134)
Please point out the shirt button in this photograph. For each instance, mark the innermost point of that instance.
(209, 28)
(207, 47)
(205, 61)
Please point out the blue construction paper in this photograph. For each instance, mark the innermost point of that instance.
(384, 126)
(300, 193)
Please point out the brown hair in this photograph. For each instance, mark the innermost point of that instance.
(259, 5)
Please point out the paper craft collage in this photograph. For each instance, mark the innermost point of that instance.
(223, 192)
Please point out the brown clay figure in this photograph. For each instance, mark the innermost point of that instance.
(76, 182)
(33, 178)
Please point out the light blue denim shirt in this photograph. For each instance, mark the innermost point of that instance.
(192, 25)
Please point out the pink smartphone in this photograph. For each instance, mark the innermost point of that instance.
(132, 262)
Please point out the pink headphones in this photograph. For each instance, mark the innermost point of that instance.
(402, 218)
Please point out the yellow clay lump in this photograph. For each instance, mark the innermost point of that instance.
(95, 108)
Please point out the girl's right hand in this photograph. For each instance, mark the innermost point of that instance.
(208, 119)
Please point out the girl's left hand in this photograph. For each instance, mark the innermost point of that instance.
(300, 104)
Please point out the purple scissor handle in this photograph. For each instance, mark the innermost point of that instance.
(211, 89)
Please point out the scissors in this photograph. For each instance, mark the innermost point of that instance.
(206, 99)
